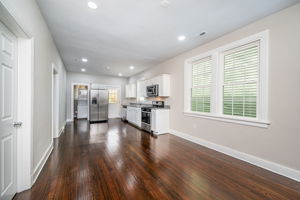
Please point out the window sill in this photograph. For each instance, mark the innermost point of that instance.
(248, 122)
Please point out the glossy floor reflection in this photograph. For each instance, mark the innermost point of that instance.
(117, 161)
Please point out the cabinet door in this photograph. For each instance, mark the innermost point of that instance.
(153, 120)
(164, 85)
(143, 91)
(127, 91)
(128, 115)
(138, 117)
(131, 115)
(148, 82)
(155, 80)
(135, 116)
(130, 91)
(133, 90)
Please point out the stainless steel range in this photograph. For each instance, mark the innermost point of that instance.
(146, 115)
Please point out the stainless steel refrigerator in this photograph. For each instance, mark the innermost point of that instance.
(98, 105)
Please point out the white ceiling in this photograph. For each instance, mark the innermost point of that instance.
(121, 33)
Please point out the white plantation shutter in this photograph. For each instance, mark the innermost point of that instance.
(201, 85)
(241, 79)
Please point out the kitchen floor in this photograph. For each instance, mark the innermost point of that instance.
(117, 161)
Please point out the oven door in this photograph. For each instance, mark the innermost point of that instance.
(146, 117)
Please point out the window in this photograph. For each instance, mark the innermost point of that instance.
(201, 84)
(229, 83)
(241, 68)
(113, 95)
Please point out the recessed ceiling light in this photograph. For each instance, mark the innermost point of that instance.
(92, 5)
(131, 67)
(120, 74)
(108, 67)
(165, 3)
(84, 59)
(83, 70)
(181, 38)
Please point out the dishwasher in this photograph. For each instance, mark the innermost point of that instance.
(124, 113)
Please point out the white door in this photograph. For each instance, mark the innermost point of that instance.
(8, 85)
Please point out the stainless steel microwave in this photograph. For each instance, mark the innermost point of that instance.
(152, 91)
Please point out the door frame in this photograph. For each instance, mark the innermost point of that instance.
(72, 99)
(25, 69)
(55, 102)
(119, 103)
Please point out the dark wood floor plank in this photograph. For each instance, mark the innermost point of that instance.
(117, 161)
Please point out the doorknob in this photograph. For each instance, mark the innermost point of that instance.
(17, 124)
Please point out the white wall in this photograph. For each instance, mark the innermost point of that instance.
(280, 142)
(28, 16)
(88, 78)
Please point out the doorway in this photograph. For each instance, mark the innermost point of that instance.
(80, 108)
(114, 100)
(55, 102)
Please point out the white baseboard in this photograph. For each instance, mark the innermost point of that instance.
(268, 165)
(41, 163)
(61, 130)
(113, 116)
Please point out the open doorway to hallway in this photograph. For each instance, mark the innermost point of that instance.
(81, 102)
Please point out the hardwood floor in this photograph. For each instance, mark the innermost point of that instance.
(117, 161)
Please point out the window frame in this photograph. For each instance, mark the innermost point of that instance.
(216, 109)
(202, 86)
(222, 65)
(116, 95)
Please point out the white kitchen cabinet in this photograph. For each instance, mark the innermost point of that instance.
(142, 88)
(138, 117)
(134, 115)
(160, 121)
(130, 91)
(163, 82)
(154, 80)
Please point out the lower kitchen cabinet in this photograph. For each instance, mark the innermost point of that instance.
(160, 121)
(134, 115)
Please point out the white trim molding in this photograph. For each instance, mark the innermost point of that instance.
(72, 100)
(114, 116)
(61, 130)
(236, 120)
(41, 163)
(268, 165)
(25, 112)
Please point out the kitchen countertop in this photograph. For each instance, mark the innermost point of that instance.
(162, 108)
(139, 105)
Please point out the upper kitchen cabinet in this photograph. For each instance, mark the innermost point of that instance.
(130, 91)
(142, 88)
(163, 82)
